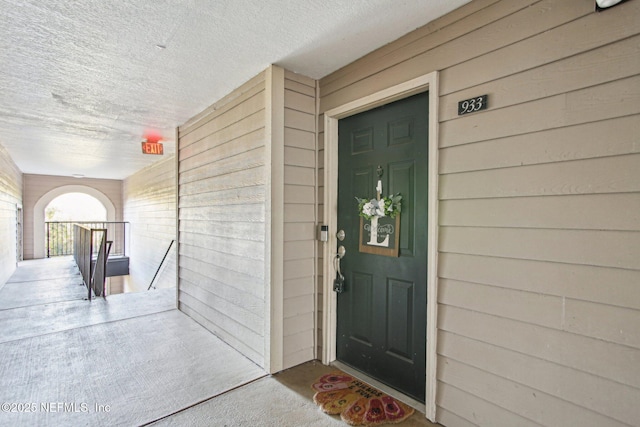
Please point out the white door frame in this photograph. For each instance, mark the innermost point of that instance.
(329, 303)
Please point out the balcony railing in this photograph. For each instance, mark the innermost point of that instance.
(60, 236)
(91, 263)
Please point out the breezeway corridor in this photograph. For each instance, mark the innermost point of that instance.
(126, 360)
(131, 359)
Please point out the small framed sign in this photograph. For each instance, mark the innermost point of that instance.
(149, 147)
(472, 105)
(380, 236)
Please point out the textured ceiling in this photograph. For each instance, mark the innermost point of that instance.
(82, 81)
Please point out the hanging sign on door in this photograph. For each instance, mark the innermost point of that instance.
(380, 236)
(380, 223)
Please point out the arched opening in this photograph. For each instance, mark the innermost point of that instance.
(75, 207)
(39, 241)
(62, 213)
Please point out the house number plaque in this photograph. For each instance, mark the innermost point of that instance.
(472, 105)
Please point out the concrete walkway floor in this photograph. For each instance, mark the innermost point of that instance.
(282, 400)
(132, 359)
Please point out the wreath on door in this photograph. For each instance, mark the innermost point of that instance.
(389, 206)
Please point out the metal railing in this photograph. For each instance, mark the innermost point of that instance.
(160, 266)
(90, 251)
(60, 236)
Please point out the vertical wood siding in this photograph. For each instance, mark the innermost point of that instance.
(10, 197)
(299, 219)
(539, 297)
(222, 194)
(149, 198)
(36, 186)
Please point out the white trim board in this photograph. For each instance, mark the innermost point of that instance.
(274, 220)
(329, 305)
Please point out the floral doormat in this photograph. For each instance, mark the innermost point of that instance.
(357, 402)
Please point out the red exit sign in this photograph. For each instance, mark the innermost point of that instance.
(149, 147)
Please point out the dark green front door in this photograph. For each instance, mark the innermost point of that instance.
(382, 309)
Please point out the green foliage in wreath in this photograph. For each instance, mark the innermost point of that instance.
(386, 206)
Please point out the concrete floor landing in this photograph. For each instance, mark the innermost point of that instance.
(129, 359)
(132, 359)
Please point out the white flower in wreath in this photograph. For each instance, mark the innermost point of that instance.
(386, 206)
(373, 208)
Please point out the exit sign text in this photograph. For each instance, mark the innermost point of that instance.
(152, 148)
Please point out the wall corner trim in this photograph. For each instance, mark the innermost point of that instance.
(274, 219)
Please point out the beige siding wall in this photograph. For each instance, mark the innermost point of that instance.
(222, 195)
(10, 199)
(539, 257)
(37, 186)
(150, 208)
(299, 219)
(247, 194)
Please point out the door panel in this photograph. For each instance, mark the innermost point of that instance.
(362, 307)
(382, 311)
(400, 308)
(401, 179)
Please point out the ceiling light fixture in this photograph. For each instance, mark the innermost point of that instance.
(77, 175)
(161, 46)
